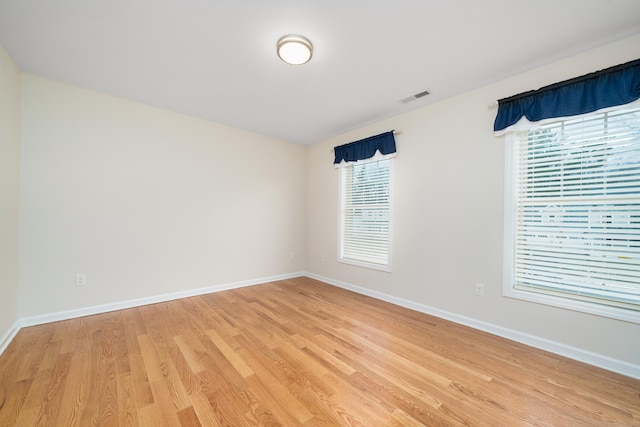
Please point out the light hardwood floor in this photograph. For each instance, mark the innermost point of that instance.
(290, 353)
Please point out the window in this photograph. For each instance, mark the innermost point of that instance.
(365, 214)
(572, 213)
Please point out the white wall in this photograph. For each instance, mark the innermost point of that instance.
(147, 202)
(9, 189)
(448, 214)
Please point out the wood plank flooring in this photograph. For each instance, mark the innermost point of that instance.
(295, 353)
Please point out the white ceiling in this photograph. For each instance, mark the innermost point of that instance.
(216, 59)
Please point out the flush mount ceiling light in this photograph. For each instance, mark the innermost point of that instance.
(294, 49)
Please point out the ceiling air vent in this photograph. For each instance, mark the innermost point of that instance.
(414, 97)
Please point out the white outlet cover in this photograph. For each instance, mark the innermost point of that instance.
(81, 279)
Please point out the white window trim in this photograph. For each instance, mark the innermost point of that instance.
(508, 256)
(385, 268)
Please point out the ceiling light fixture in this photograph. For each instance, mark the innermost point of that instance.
(294, 49)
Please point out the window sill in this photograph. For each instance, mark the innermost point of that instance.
(575, 305)
(369, 265)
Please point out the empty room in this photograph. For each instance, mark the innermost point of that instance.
(319, 213)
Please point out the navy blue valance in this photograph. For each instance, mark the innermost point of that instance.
(613, 86)
(366, 148)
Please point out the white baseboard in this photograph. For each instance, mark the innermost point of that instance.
(8, 336)
(105, 308)
(615, 365)
(605, 362)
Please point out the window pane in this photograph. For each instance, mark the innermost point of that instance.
(577, 227)
(365, 213)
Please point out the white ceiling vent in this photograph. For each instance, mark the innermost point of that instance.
(414, 97)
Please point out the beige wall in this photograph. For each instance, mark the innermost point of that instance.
(147, 202)
(448, 214)
(9, 188)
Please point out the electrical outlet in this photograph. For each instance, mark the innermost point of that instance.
(321, 257)
(292, 255)
(479, 289)
(81, 279)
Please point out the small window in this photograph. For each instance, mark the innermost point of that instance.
(365, 214)
(572, 234)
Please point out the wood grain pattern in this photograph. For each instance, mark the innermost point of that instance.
(295, 353)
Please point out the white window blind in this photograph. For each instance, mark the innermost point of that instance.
(577, 209)
(364, 233)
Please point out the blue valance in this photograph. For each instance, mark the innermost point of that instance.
(366, 148)
(613, 86)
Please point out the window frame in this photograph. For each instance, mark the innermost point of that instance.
(341, 216)
(509, 290)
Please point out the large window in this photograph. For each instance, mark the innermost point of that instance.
(365, 214)
(573, 213)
